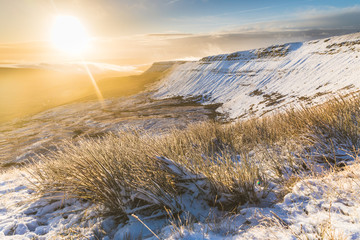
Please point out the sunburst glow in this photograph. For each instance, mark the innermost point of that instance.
(69, 35)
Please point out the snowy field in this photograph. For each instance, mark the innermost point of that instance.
(23, 215)
(324, 207)
(321, 206)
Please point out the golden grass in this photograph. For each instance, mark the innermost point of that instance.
(132, 173)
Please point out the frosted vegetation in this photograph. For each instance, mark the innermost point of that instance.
(209, 174)
(294, 174)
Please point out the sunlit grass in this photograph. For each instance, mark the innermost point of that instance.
(223, 165)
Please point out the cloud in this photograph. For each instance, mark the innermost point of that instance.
(172, 2)
(147, 48)
(303, 26)
(344, 18)
(75, 67)
(169, 35)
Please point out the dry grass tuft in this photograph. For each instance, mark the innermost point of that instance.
(134, 174)
(131, 173)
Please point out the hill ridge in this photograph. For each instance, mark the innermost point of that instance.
(258, 81)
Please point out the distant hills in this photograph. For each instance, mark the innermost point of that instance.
(258, 81)
(246, 83)
(26, 91)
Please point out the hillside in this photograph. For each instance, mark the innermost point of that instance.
(258, 81)
(27, 91)
(158, 164)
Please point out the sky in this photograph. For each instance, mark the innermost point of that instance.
(130, 32)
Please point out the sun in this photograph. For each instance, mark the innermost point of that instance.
(69, 35)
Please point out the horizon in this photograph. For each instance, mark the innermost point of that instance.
(134, 34)
(179, 119)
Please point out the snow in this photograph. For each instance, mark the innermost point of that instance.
(249, 82)
(21, 139)
(281, 75)
(327, 205)
(25, 215)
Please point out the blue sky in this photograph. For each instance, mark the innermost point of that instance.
(202, 16)
(111, 18)
(169, 29)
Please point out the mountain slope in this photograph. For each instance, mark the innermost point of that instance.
(257, 81)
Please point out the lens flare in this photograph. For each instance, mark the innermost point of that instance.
(69, 36)
(97, 90)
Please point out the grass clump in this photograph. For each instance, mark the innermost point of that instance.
(133, 174)
(110, 171)
(222, 165)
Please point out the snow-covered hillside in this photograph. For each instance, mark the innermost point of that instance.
(260, 80)
(316, 196)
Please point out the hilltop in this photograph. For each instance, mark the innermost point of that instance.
(254, 82)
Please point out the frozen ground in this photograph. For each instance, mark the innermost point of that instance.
(323, 207)
(26, 137)
(24, 215)
(247, 83)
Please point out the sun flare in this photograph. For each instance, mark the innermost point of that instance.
(69, 35)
